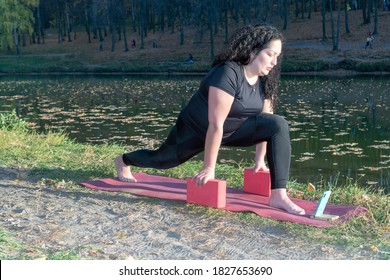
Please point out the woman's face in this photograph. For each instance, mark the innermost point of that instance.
(263, 63)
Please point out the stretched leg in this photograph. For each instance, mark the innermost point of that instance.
(274, 130)
(180, 145)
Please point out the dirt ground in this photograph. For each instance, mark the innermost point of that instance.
(103, 225)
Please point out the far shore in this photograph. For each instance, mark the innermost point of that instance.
(328, 73)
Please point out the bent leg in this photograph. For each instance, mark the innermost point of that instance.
(275, 131)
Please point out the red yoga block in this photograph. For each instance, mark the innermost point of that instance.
(257, 182)
(213, 193)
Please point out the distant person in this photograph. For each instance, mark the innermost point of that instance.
(189, 59)
(355, 5)
(370, 103)
(133, 43)
(233, 106)
(369, 40)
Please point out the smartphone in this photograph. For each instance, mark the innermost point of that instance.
(322, 204)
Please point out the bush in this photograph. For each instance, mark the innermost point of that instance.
(11, 121)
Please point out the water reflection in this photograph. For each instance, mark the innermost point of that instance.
(338, 126)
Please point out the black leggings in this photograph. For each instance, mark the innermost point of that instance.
(182, 144)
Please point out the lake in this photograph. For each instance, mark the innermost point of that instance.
(339, 126)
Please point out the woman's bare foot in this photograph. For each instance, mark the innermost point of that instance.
(279, 199)
(123, 171)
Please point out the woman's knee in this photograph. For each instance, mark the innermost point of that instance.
(275, 123)
(280, 124)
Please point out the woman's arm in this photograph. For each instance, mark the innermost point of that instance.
(219, 106)
(261, 147)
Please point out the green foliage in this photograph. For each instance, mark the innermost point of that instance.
(16, 17)
(373, 66)
(11, 121)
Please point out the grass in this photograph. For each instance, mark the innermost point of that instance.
(8, 245)
(13, 249)
(71, 63)
(55, 158)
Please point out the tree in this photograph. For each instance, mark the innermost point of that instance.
(346, 17)
(376, 17)
(142, 21)
(16, 18)
(284, 13)
(38, 26)
(211, 18)
(335, 37)
(323, 12)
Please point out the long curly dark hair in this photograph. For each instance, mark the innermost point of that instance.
(245, 44)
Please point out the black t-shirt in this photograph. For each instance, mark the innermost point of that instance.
(229, 77)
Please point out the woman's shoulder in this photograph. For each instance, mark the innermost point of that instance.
(229, 68)
(233, 65)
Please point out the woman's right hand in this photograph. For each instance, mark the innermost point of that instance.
(260, 165)
(203, 176)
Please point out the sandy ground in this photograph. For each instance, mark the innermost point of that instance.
(104, 225)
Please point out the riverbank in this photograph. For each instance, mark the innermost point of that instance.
(46, 214)
(295, 62)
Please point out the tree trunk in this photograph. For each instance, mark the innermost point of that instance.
(16, 40)
(338, 25)
(181, 25)
(364, 11)
(335, 42)
(210, 21)
(123, 20)
(323, 11)
(67, 19)
(369, 10)
(87, 26)
(110, 12)
(141, 8)
(236, 12)
(132, 15)
(285, 14)
(59, 21)
(346, 17)
(376, 17)
(226, 9)
(38, 24)
(101, 39)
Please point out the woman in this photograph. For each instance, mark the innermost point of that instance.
(232, 107)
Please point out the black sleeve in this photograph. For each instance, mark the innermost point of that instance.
(225, 77)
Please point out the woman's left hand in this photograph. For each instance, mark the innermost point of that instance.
(204, 175)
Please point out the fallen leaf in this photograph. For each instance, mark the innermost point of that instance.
(311, 188)
(374, 248)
